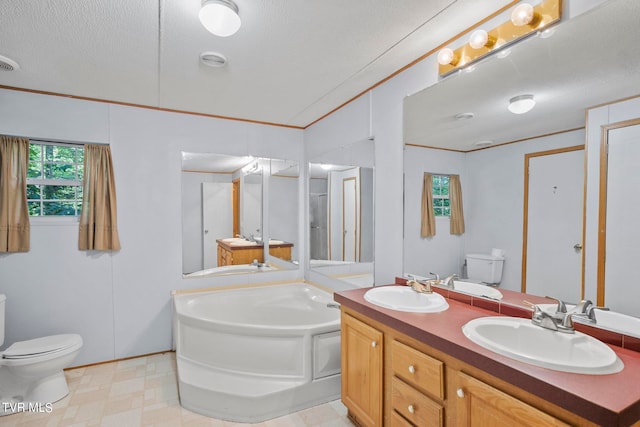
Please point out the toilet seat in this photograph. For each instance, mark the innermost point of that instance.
(42, 346)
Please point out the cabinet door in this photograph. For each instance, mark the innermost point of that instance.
(362, 371)
(479, 404)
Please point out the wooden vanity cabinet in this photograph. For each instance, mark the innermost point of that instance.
(391, 379)
(239, 254)
(362, 352)
(479, 404)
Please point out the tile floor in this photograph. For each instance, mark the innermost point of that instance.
(144, 392)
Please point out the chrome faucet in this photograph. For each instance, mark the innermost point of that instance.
(449, 281)
(561, 309)
(437, 277)
(555, 323)
(590, 312)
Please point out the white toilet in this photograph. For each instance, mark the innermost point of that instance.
(31, 371)
(484, 268)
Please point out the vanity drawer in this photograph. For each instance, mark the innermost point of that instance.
(415, 406)
(416, 368)
(398, 420)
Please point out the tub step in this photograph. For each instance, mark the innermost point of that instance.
(230, 383)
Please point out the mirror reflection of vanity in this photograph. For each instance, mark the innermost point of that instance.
(230, 204)
(590, 60)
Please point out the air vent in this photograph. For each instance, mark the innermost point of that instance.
(213, 59)
(7, 64)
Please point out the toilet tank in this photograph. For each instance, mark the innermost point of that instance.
(2, 300)
(484, 268)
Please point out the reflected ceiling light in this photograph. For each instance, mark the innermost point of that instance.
(213, 59)
(480, 39)
(446, 56)
(521, 104)
(325, 166)
(524, 15)
(220, 17)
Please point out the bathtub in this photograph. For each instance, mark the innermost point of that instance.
(229, 269)
(251, 354)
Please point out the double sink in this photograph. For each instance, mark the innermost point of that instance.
(512, 337)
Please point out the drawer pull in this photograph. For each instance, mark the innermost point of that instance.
(411, 409)
(460, 393)
(374, 344)
(412, 369)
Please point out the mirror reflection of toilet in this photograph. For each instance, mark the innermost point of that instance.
(31, 371)
(485, 268)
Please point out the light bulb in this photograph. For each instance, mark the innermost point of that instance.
(479, 39)
(446, 56)
(522, 15)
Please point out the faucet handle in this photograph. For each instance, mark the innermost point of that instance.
(590, 312)
(583, 306)
(562, 307)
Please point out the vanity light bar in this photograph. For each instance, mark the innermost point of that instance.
(524, 20)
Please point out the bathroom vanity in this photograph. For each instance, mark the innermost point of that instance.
(244, 252)
(419, 369)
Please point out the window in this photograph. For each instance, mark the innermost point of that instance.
(54, 179)
(441, 195)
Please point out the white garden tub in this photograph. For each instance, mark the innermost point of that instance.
(252, 354)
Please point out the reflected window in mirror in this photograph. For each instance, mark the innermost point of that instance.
(440, 188)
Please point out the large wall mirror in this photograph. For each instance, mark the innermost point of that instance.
(341, 207)
(569, 69)
(238, 214)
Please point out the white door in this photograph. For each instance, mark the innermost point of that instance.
(349, 220)
(217, 219)
(623, 212)
(554, 225)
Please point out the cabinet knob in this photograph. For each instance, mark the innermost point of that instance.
(374, 344)
(460, 392)
(411, 409)
(412, 369)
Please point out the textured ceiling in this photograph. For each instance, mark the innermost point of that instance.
(292, 61)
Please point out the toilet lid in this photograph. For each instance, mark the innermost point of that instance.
(42, 345)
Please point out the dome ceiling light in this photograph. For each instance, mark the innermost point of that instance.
(521, 104)
(220, 17)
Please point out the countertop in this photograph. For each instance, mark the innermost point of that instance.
(603, 399)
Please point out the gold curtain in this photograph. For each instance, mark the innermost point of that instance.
(98, 219)
(428, 219)
(456, 225)
(14, 215)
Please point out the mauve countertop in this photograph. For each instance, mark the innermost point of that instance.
(611, 400)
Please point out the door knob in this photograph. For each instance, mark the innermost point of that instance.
(577, 246)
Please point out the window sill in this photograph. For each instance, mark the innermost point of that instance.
(46, 221)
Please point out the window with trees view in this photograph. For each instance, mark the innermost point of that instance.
(54, 180)
(441, 195)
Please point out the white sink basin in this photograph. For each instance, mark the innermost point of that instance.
(403, 298)
(521, 340)
(477, 289)
(611, 320)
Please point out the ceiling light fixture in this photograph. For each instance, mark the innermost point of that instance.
(521, 104)
(220, 17)
(522, 21)
(8, 64)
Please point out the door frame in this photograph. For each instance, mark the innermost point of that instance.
(525, 221)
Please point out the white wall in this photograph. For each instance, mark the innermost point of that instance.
(120, 302)
(494, 199)
(442, 253)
